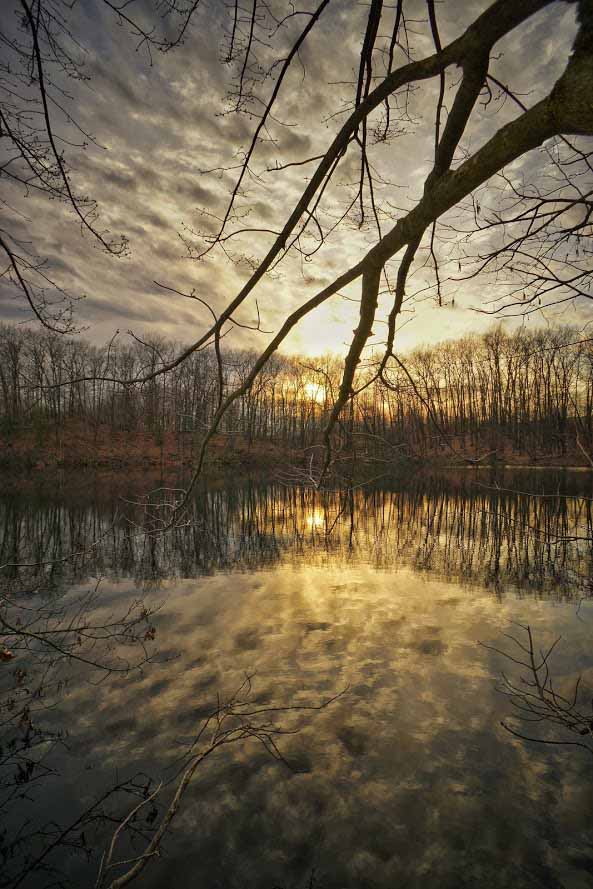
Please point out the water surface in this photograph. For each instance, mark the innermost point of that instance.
(382, 594)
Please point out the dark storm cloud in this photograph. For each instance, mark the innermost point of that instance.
(110, 84)
(291, 141)
(137, 311)
(12, 307)
(154, 220)
(120, 178)
(193, 191)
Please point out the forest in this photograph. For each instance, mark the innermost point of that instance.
(316, 651)
(525, 395)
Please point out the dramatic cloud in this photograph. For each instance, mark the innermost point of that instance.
(160, 127)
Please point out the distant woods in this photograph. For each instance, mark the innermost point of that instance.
(487, 397)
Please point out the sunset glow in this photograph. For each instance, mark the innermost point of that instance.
(296, 443)
(315, 519)
(315, 392)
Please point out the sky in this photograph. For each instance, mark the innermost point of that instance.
(162, 167)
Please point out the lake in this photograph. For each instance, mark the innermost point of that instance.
(388, 599)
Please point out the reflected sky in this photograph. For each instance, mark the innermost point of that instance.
(406, 780)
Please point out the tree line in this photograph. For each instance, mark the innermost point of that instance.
(525, 392)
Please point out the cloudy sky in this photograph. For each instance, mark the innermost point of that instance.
(167, 143)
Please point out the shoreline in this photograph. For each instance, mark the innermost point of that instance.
(76, 447)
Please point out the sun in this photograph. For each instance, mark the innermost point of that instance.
(315, 392)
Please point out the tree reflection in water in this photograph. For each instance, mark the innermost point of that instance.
(466, 533)
(463, 534)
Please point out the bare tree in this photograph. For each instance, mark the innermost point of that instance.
(42, 56)
(456, 175)
(536, 232)
(541, 711)
(48, 636)
(237, 720)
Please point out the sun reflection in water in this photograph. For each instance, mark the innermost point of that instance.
(315, 519)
